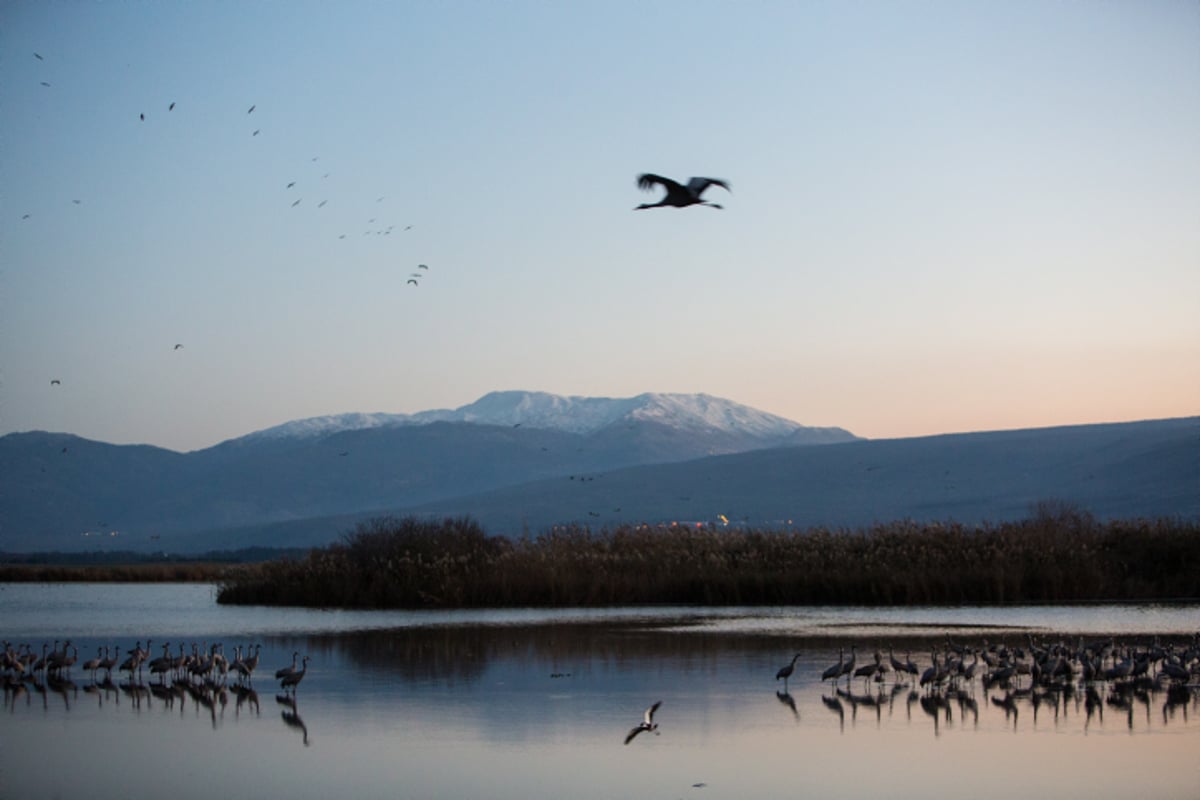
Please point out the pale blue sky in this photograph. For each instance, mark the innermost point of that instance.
(945, 216)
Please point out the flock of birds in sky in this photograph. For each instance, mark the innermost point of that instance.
(677, 195)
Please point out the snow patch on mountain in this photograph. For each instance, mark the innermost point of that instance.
(313, 427)
(573, 414)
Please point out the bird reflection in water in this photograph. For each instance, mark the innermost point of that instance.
(104, 690)
(788, 701)
(63, 687)
(968, 705)
(835, 705)
(136, 692)
(291, 715)
(1009, 704)
(868, 700)
(1178, 698)
(245, 696)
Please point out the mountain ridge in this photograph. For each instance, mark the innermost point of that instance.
(61, 490)
(571, 413)
(1147, 469)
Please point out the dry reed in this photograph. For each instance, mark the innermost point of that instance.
(1060, 555)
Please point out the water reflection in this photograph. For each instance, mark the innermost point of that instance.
(291, 715)
(789, 702)
(542, 711)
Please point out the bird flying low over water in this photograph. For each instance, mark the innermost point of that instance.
(647, 723)
(678, 195)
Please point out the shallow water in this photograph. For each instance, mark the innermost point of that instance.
(534, 703)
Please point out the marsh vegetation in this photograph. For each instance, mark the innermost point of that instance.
(1058, 555)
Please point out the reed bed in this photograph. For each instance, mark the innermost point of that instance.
(1057, 556)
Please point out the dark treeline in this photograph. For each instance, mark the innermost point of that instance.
(127, 566)
(1060, 555)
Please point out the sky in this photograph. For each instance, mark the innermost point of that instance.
(944, 216)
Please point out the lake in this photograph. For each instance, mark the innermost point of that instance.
(537, 704)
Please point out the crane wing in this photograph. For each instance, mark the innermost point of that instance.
(646, 181)
(697, 185)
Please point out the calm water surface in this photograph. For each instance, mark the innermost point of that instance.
(536, 704)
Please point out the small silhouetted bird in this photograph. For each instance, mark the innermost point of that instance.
(678, 195)
(178, 347)
(251, 111)
(171, 107)
(38, 57)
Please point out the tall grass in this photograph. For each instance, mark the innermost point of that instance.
(1058, 555)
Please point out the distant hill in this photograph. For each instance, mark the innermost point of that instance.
(1141, 469)
(63, 492)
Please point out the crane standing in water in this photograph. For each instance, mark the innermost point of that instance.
(835, 671)
(293, 678)
(786, 671)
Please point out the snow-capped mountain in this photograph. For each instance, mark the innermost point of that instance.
(642, 465)
(571, 414)
(355, 463)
